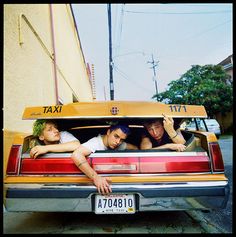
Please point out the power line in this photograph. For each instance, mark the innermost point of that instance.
(131, 81)
(129, 53)
(209, 29)
(118, 41)
(110, 53)
(154, 65)
(178, 13)
(111, 63)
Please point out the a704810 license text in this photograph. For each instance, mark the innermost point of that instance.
(115, 204)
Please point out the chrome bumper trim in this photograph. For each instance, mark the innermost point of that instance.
(149, 197)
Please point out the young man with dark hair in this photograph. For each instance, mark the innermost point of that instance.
(51, 140)
(114, 140)
(162, 134)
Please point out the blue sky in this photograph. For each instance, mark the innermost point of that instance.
(177, 35)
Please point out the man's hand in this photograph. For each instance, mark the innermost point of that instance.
(102, 184)
(168, 124)
(176, 147)
(38, 150)
(79, 158)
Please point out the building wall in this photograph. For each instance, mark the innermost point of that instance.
(29, 76)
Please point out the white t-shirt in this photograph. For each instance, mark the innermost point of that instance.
(96, 143)
(67, 137)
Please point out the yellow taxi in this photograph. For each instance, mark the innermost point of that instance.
(142, 180)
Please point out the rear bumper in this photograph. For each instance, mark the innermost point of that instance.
(149, 197)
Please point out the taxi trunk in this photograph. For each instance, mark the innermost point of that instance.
(141, 180)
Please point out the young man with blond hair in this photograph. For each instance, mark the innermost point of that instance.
(51, 139)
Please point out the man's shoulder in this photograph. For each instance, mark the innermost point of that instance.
(94, 139)
(67, 137)
(94, 143)
(64, 132)
(122, 146)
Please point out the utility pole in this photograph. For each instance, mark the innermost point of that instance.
(110, 54)
(154, 65)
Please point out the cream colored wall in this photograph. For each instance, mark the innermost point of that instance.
(69, 55)
(28, 69)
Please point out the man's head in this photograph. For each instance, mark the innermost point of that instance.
(116, 134)
(155, 128)
(46, 131)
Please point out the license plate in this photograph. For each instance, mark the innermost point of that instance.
(115, 204)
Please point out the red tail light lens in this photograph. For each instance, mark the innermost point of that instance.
(13, 161)
(197, 162)
(56, 163)
(217, 159)
(48, 166)
(116, 165)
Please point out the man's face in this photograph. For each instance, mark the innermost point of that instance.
(115, 138)
(50, 134)
(156, 130)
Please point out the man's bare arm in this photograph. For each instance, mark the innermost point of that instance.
(145, 143)
(171, 146)
(175, 136)
(131, 147)
(178, 138)
(62, 147)
(79, 158)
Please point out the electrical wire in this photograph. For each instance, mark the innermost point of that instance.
(178, 13)
(131, 81)
(118, 38)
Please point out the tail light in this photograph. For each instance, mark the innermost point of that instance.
(162, 162)
(115, 168)
(217, 159)
(48, 166)
(175, 163)
(56, 164)
(123, 163)
(116, 165)
(13, 160)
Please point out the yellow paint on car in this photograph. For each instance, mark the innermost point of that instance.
(117, 179)
(139, 109)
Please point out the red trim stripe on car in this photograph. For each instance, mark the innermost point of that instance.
(123, 163)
